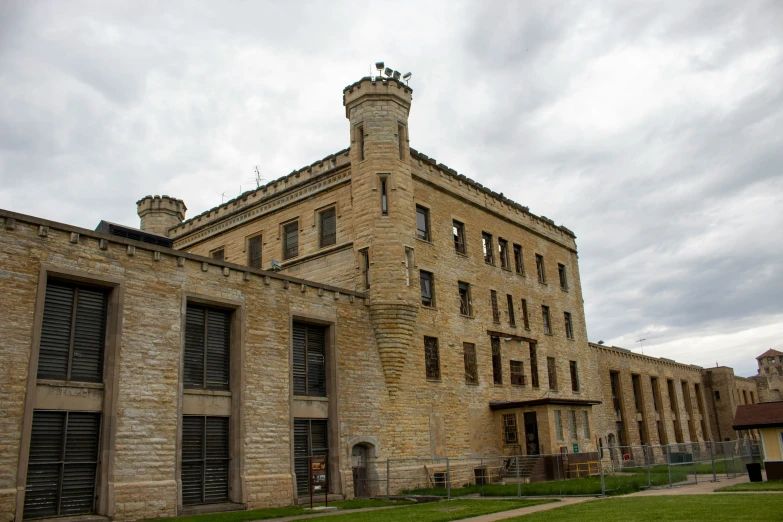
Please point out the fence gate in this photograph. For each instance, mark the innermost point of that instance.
(359, 468)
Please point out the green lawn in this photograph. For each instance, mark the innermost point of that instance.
(615, 485)
(773, 485)
(702, 468)
(713, 508)
(436, 511)
(263, 514)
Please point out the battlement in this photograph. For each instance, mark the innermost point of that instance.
(160, 213)
(376, 86)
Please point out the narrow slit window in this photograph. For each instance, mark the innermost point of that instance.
(534, 365)
(493, 297)
(569, 329)
(497, 363)
(360, 137)
(540, 268)
(519, 264)
(525, 318)
(561, 271)
(400, 138)
(384, 196)
(511, 318)
(574, 375)
(465, 306)
(471, 366)
(365, 260)
(431, 358)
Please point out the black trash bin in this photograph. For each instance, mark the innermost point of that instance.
(754, 471)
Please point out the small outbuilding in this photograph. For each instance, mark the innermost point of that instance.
(767, 417)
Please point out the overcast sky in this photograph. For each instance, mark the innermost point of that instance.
(654, 131)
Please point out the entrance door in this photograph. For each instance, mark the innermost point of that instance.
(531, 434)
(359, 468)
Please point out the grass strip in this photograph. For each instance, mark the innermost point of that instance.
(772, 485)
(437, 511)
(714, 508)
(264, 514)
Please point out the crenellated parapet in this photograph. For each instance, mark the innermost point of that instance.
(160, 213)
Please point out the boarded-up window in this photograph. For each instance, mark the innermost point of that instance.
(471, 367)
(309, 360)
(510, 431)
(62, 464)
(558, 425)
(493, 297)
(254, 252)
(585, 425)
(291, 240)
(533, 365)
(328, 226)
(207, 348)
(497, 363)
(517, 373)
(310, 440)
(572, 424)
(205, 459)
(552, 372)
(73, 333)
(432, 358)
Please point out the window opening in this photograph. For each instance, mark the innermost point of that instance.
(503, 253)
(493, 297)
(510, 302)
(427, 290)
(432, 358)
(291, 240)
(207, 348)
(525, 318)
(545, 315)
(540, 268)
(422, 223)
(328, 232)
(254, 246)
(519, 264)
(384, 196)
(486, 242)
(205, 459)
(517, 373)
(558, 425)
(561, 270)
(311, 439)
(219, 254)
(309, 360)
(510, 431)
(552, 372)
(533, 365)
(360, 132)
(465, 306)
(574, 376)
(497, 364)
(471, 366)
(458, 231)
(569, 330)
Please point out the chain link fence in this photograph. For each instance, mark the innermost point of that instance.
(612, 470)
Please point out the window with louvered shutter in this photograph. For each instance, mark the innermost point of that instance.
(73, 333)
(291, 240)
(62, 464)
(207, 348)
(309, 360)
(310, 440)
(205, 459)
(254, 252)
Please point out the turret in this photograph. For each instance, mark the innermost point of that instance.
(384, 214)
(160, 213)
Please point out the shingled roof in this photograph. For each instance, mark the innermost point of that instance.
(771, 352)
(761, 415)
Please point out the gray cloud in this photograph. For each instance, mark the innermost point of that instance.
(651, 130)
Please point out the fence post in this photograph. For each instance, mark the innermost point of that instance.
(712, 456)
(519, 486)
(731, 453)
(483, 474)
(388, 479)
(693, 458)
(448, 480)
(558, 463)
(601, 471)
(669, 463)
(647, 459)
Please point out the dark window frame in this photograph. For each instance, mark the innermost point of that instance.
(487, 248)
(497, 361)
(551, 370)
(546, 318)
(214, 458)
(212, 370)
(510, 429)
(425, 233)
(493, 299)
(218, 254)
(525, 316)
(541, 269)
(290, 232)
(574, 369)
(383, 188)
(569, 327)
(503, 254)
(327, 233)
(428, 296)
(431, 358)
(512, 320)
(517, 372)
(465, 302)
(310, 349)
(255, 250)
(360, 133)
(562, 274)
(471, 363)
(534, 365)
(519, 261)
(458, 234)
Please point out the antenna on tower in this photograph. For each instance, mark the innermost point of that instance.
(257, 179)
(222, 197)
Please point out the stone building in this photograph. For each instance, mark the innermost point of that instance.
(373, 305)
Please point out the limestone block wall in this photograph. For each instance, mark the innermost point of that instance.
(156, 282)
(611, 359)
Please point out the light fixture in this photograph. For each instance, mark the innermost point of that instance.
(379, 66)
(600, 342)
(388, 71)
(406, 77)
(396, 75)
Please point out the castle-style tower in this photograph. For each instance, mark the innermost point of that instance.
(160, 213)
(384, 214)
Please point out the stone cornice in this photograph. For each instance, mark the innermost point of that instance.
(614, 350)
(327, 181)
(10, 220)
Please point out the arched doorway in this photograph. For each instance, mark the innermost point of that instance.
(359, 468)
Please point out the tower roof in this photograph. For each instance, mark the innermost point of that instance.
(768, 353)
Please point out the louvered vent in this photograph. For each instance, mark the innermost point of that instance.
(310, 439)
(207, 348)
(73, 333)
(62, 464)
(205, 459)
(309, 360)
